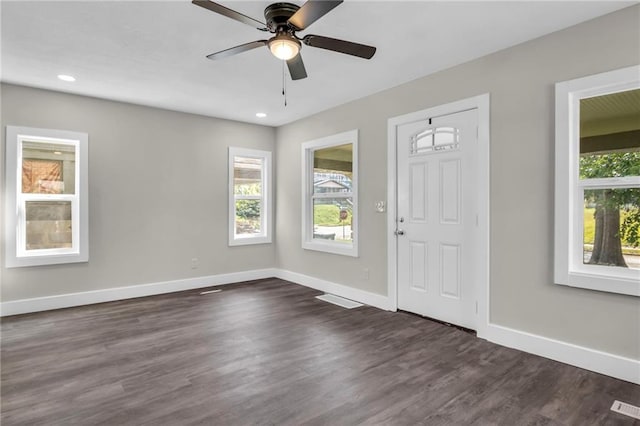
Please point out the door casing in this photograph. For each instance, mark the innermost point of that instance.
(482, 104)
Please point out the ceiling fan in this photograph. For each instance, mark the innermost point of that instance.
(284, 20)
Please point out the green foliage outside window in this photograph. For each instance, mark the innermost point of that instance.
(616, 211)
(627, 201)
(329, 215)
(248, 219)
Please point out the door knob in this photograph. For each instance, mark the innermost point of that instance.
(399, 232)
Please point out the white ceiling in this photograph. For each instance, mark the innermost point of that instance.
(153, 52)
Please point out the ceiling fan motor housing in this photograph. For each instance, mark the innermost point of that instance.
(277, 15)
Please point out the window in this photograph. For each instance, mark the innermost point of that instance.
(330, 194)
(435, 140)
(250, 219)
(597, 242)
(47, 185)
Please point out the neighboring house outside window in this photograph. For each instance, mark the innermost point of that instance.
(330, 196)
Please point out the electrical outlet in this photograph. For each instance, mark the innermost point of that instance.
(380, 207)
(365, 274)
(195, 262)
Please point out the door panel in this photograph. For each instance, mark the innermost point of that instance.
(450, 270)
(419, 194)
(418, 265)
(450, 192)
(436, 211)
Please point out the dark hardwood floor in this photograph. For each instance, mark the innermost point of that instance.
(267, 352)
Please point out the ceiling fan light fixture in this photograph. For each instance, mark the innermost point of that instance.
(284, 47)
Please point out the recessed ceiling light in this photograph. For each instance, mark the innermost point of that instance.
(261, 114)
(57, 152)
(64, 77)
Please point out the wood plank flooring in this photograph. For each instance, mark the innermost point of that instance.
(268, 353)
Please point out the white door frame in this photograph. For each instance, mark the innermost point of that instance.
(481, 284)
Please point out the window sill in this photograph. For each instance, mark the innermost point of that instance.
(333, 248)
(249, 241)
(601, 282)
(41, 260)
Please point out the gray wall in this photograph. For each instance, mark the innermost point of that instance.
(521, 83)
(158, 193)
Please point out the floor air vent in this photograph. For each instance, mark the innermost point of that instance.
(626, 409)
(340, 301)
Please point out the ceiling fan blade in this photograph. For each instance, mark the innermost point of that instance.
(238, 49)
(342, 46)
(296, 68)
(310, 12)
(229, 13)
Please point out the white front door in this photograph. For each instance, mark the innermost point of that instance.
(436, 216)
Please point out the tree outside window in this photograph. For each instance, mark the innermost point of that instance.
(609, 152)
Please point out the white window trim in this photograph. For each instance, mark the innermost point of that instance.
(569, 189)
(15, 256)
(308, 148)
(266, 197)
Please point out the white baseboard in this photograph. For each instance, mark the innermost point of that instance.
(579, 356)
(37, 304)
(362, 296)
(68, 300)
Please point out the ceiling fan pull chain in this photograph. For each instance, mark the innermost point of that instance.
(284, 85)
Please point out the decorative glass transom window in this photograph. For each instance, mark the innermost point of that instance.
(598, 182)
(47, 219)
(435, 139)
